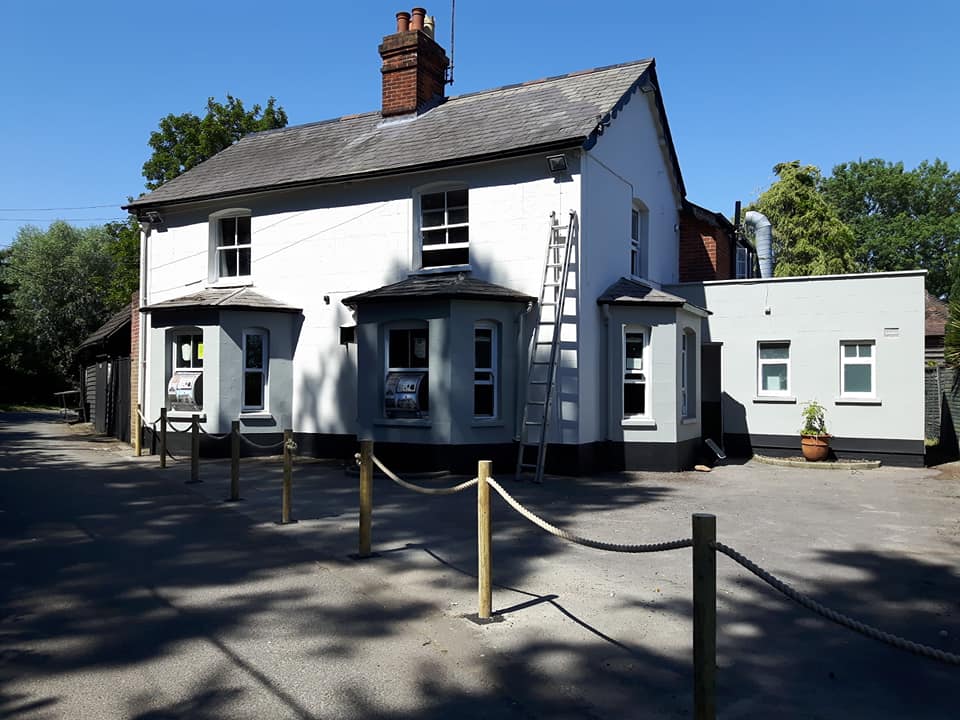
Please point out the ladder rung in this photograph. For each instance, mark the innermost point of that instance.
(539, 382)
(536, 402)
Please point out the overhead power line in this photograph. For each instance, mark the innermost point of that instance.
(55, 209)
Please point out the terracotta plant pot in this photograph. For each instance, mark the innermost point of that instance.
(815, 447)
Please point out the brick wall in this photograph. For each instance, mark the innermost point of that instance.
(134, 360)
(704, 250)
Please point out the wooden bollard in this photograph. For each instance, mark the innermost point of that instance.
(287, 477)
(194, 449)
(366, 496)
(163, 437)
(234, 461)
(704, 617)
(137, 432)
(484, 575)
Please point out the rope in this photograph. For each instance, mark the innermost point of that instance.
(145, 421)
(420, 488)
(215, 437)
(596, 544)
(173, 429)
(833, 615)
(274, 446)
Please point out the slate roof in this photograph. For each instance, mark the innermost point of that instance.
(115, 324)
(565, 111)
(937, 314)
(234, 298)
(438, 287)
(633, 292)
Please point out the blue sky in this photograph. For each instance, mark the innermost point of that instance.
(746, 84)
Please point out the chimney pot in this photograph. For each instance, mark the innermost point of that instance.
(403, 21)
(419, 14)
(430, 25)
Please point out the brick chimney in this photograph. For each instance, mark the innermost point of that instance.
(414, 66)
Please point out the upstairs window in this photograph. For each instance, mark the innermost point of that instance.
(232, 246)
(743, 262)
(858, 365)
(638, 240)
(254, 369)
(773, 368)
(484, 371)
(444, 228)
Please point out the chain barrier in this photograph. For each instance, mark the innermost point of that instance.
(834, 616)
(420, 488)
(586, 542)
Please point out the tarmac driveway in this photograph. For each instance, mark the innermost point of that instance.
(129, 594)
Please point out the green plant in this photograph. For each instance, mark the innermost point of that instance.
(814, 419)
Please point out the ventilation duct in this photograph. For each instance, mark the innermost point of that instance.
(763, 237)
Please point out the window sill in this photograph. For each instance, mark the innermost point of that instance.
(775, 399)
(638, 423)
(254, 415)
(237, 282)
(487, 422)
(689, 421)
(857, 401)
(403, 422)
(442, 269)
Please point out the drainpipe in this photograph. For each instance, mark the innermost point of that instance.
(521, 381)
(763, 232)
(605, 393)
(141, 390)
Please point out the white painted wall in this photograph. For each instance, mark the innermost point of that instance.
(815, 314)
(342, 240)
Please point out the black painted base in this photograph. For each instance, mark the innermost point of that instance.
(901, 453)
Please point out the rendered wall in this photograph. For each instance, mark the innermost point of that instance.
(815, 314)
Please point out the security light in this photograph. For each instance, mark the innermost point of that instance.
(557, 164)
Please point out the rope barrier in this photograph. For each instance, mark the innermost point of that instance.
(421, 489)
(586, 542)
(211, 435)
(145, 421)
(173, 429)
(834, 616)
(274, 446)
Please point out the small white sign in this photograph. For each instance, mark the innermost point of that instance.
(891, 332)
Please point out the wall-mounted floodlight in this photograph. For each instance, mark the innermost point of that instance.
(153, 217)
(557, 164)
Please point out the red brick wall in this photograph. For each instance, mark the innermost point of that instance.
(134, 360)
(704, 250)
(414, 71)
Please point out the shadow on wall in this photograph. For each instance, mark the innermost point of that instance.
(736, 432)
(948, 449)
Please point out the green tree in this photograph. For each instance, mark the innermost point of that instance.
(59, 281)
(184, 141)
(902, 219)
(123, 246)
(808, 236)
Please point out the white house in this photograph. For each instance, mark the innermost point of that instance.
(309, 277)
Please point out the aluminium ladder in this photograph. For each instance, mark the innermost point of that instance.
(545, 349)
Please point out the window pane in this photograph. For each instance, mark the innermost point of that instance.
(857, 379)
(228, 231)
(483, 348)
(456, 197)
(774, 377)
(197, 343)
(433, 201)
(434, 237)
(438, 258)
(253, 389)
(243, 230)
(244, 261)
(865, 350)
(254, 352)
(419, 350)
(634, 351)
(228, 263)
(458, 235)
(432, 218)
(457, 216)
(184, 351)
(399, 349)
(483, 400)
(850, 351)
(775, 351)
(635, 225)
(634, 399)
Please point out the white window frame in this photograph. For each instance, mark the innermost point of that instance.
(175, 365)
(643, 371)
(263, 371)
(491, 371)
(688, 362)
(761, 392)
(870, 361)
(217, 247)
(639, 232)
(389, 369)
(424, 250)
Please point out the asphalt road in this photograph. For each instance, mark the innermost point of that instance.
(127, 594)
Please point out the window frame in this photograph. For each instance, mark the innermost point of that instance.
(871, 361)
(643, 371)
(422, 249)
(263, 371)
(639, 234)
(494, 379)
(388, 368)
(688, 373)
(742, 253)
(761, 362)
(217, 247)
(194, 364)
